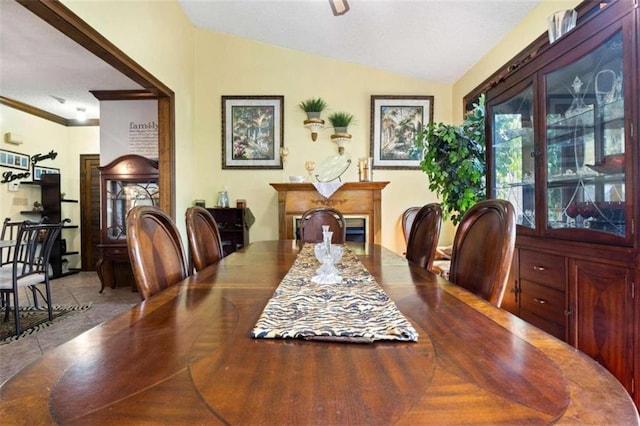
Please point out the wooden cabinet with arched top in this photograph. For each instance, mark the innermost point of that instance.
(128, 181)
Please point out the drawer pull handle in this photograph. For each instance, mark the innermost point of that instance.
(540, 301)
(539, 268)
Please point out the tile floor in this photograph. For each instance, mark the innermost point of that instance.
(78, 289)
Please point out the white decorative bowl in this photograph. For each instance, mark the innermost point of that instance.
(296, 179)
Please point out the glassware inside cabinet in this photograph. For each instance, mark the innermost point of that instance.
(513, 154)
(121, 197)
(586, 142)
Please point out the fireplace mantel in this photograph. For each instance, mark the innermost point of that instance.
(360, 199)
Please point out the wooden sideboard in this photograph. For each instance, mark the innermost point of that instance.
(356, 199)
(233, 225)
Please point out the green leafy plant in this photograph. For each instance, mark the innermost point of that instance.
(454, 161)
(340, 119)
(313, 105)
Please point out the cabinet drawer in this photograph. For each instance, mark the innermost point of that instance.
(545, 302)
(543, 268)
(556, 330)
(116, 254)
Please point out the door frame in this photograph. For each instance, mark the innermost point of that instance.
(86, 202)
(60, 17)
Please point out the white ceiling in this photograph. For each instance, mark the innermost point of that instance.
(38, 63)
(435, 40)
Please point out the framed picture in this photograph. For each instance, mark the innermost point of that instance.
(38, 171)
(395, 121)
(252, 132)
(14, 160)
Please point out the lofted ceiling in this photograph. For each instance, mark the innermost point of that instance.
(43, 68)
(435, 40)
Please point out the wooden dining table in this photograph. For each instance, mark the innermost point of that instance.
(185, 356)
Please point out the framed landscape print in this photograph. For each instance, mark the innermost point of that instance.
(395, 121)
(252, 132)
(38, 171)
(14, 160)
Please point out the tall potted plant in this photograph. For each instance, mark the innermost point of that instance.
(454, 161)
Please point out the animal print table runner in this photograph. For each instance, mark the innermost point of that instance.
(356, 310)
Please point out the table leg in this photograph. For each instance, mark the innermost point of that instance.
(104, 267)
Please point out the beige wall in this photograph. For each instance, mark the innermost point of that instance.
(158, 36)
(228, 65)
(201, 66)
(534, 24)
(40, 137)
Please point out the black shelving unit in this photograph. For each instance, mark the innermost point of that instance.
(52, 208)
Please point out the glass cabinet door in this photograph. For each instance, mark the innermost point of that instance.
(513, 154)
(122, 196)
(585, 150)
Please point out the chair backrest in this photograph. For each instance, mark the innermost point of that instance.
(483, 249)
(205, 244)
(9, 229)
(313, 219)
(34, 243)
(424, 234)
(9, 233)
(408, 217)
(155, 250)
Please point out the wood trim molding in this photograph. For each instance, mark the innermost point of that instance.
(33, 110)
(527, 54)
(63, 19)
(46, 114)
(167, 153)
(122, 95)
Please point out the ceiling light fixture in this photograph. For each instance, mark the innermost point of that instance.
(81, 114)
(339, 7)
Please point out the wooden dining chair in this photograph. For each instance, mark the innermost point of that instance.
(424, 235)
(313, 219)
(29, 268)
(408, 216)
(483, 249)
(205, 244)
(155, 250)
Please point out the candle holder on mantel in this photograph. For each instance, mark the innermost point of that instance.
(284, 152)
(310, 166)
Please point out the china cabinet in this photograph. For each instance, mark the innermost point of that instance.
(126, 182)
(562, 147)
